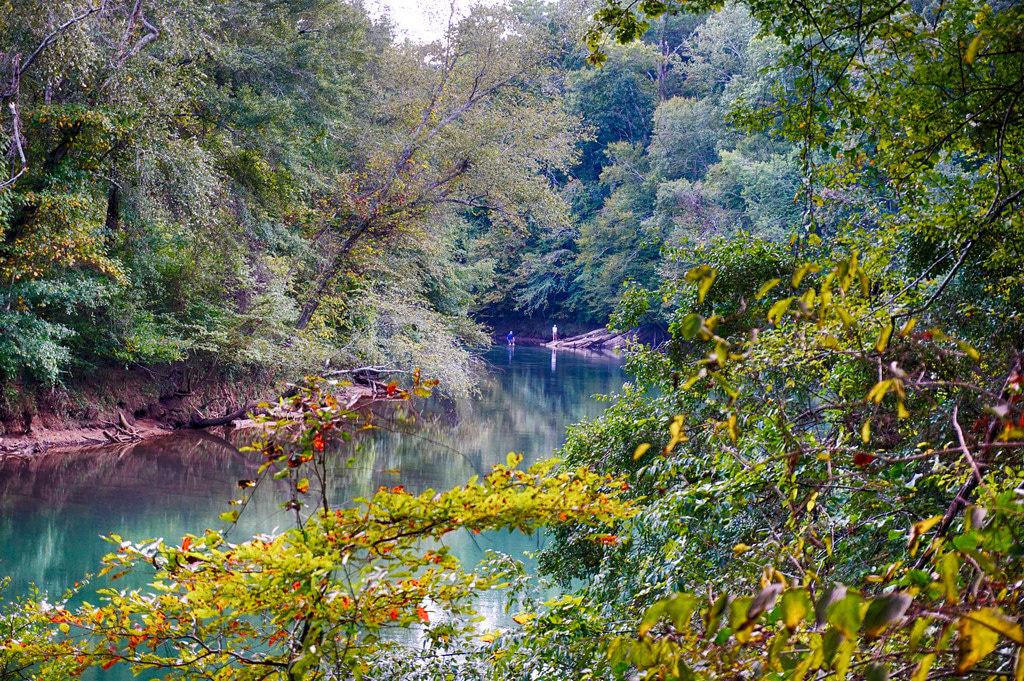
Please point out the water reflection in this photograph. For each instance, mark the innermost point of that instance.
(55, 506)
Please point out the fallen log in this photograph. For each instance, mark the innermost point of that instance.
(199, 422)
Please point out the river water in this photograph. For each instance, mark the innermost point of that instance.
(55, 507)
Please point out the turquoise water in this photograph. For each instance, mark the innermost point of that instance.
(55, 507)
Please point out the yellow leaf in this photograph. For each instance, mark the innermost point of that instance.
(740, 549)
(766, 287)
(865, 432)
(523, 617)
(641, 450)
(976, 641)
(972, 49)
(883, 338)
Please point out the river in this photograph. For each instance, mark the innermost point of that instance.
(56, 506)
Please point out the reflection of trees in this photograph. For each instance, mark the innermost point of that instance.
(55, 504)
(524, 409)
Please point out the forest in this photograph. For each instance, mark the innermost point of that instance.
(818, 475)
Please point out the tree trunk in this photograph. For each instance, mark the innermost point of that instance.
(326, 277)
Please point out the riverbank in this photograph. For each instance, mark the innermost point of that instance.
(129, 406)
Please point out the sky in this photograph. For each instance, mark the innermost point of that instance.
(420, 20)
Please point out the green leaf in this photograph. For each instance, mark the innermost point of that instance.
(876, 672)
(949, 567)
(833, 594)
(844, 654)
(796, 603)
(229, 516)
(680, 609)
(690, 325)
(739, 623)
(713, 616)
(883, 611)
(845, 615)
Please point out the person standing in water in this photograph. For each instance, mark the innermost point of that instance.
(554, 332)
(511, 338)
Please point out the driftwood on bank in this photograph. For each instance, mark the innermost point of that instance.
(603, 340)
(364, 390)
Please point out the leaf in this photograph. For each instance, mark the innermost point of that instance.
(883, 611)
(844, 653)
(680, 609)
(921, 527)
(705, 285)
(802, 272)
(523, 617)
(865, 432)
(877, 672)
(764, 600)
(976, 641)
(651, 617)
(741, 625)
(776, 311)
(713, 616)
(302, 486)
(229, 516)
(675, 429)
(740, 549)
(949, 567)
(641, 450)
(796, 603)
(994, 619)
(878, 391)
(844, 316)
(423, 614)
(766, 287)
(845, 615)
(923, 667)
(690, 325)
(865, 286)
(972, 49)
(883, 338)
(833, 594)
(969, 350)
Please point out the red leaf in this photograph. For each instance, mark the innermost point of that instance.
(423, 614)
(109, 663)
(318, 442)
(186, 543)
(863, 458)
(393, 614)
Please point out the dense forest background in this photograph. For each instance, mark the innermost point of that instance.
(271, 187)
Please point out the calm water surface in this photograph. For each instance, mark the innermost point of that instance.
(55, 507)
